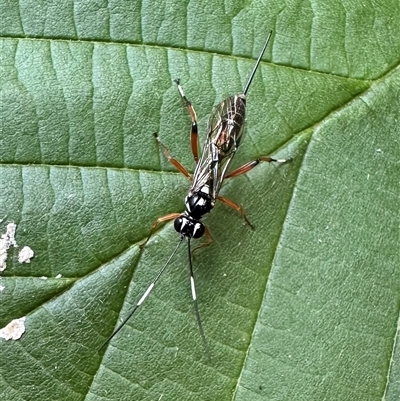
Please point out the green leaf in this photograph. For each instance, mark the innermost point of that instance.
(306, 306)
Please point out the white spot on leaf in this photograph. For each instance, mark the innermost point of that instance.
(25, 255)
(6, 241)
(14, 329)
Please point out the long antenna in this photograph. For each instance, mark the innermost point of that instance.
(143, 297)
(246, 88)
(195, 305)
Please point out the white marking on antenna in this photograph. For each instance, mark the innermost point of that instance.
(145, 294)
(193, 288)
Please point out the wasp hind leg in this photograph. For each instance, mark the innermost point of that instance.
(176, 163)
(194, 136)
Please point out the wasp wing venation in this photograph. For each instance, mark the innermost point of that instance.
(225, 129)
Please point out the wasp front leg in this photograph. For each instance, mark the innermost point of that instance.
(208, 242)
(163, 219)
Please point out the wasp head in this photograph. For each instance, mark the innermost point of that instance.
(189, 227)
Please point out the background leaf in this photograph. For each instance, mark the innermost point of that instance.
(304, 307)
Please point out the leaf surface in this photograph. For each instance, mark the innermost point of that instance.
(306, 306)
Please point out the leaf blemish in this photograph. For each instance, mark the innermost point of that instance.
(13, 330)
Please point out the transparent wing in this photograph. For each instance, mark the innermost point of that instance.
(225, 129)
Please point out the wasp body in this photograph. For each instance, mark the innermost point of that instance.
(225, 131)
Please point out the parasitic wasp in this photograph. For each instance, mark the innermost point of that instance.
(225, 130)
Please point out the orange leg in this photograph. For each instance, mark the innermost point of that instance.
(194, 136)
(250, 165)
(162, 219)
(236, 207)
(207, 243)
(176, 163)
